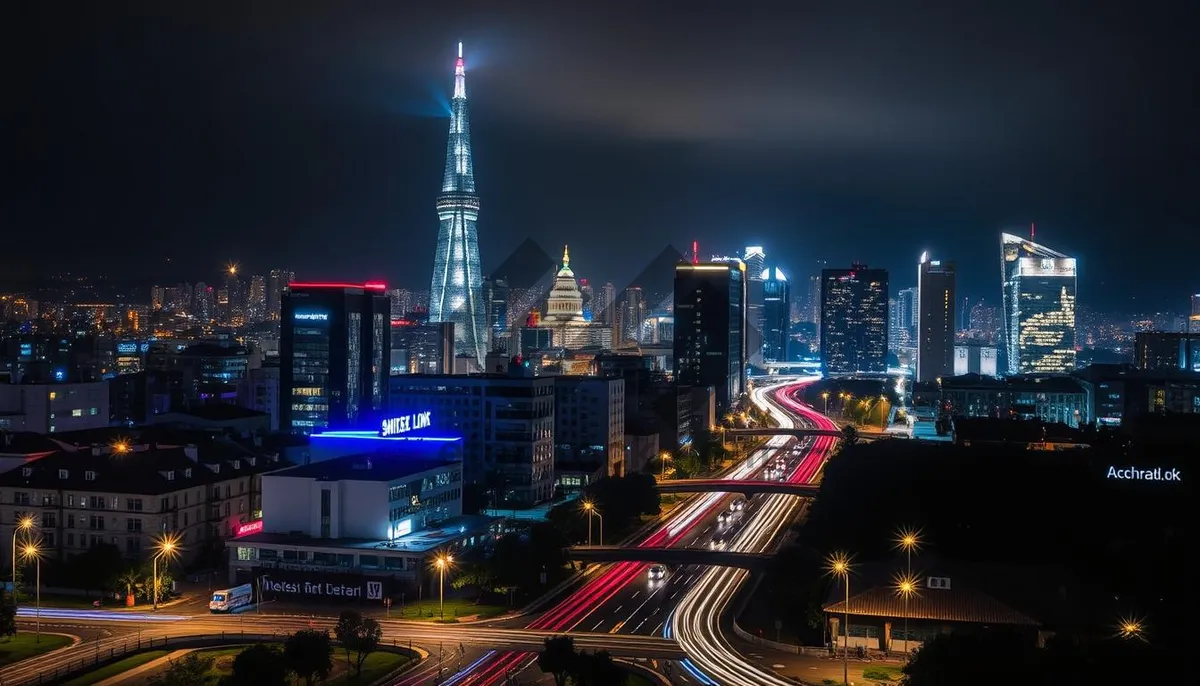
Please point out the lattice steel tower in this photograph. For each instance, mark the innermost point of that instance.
(456, 291)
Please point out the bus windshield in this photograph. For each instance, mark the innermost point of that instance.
(218, 598)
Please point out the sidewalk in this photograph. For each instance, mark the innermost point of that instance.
(817, 670)
(142, 669)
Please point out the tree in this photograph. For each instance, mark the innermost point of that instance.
(130, 580)
(558, 658)
(359, 635)
(258, 665)
(849, 434)
(8, 614)
(307, 654)
(189, 670)
(999, 658)
(596, 669)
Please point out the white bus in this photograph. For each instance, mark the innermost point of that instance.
(231, 599)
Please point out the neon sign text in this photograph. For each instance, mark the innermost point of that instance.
(251, 528)
(396, 426)
(312, 316)
(1134, 474)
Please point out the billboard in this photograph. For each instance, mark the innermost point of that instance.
(322, 587)
(1047, 266)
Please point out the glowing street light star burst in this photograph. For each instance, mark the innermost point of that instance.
(1131, 628)
(908, 540)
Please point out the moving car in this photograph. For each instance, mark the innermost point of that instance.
(723, 519)
(737, 505)
(657, 572)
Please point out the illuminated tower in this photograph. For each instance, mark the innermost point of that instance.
(1039, 307)
(456, 290)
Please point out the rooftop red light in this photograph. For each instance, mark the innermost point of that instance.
(370, 285)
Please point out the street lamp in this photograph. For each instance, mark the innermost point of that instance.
(590, 508)
(839, 565)
(31, 551)
(663, 457)
(442, 561)
(906, 587)
(22, 525)
(167, 546)
(908, 540)
(1131, 628)
(825, 397)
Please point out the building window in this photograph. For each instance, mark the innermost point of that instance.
(133, 524)
(76, 413)
(93, 411)
(53, 395)
(89, 475)
(63, 474)
(49, 520)
(96, 522)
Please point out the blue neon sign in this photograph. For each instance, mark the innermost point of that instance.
(398, 426)
(311, 316)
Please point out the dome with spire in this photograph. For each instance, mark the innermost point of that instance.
(564, 306)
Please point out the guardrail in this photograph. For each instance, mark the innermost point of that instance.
(106, 656)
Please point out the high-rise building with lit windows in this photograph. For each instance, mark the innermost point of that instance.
(935, 319)
(755, 258)
(710, 328)
(1039, 308)
(456, 289)
(854, 321)
(334, 355)
(777, 324)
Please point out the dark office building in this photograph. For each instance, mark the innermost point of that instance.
(935, 319)
(777, 316)
(335, 350)
(854, 324)
(420, 347)
(1167, 350)
(710, 328)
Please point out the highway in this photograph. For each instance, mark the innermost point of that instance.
(127, 628)
(697, 622)
(624, 601)
(618, 610)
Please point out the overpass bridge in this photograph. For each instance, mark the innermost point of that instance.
(745, 487)
(801, 433)
(669, 556)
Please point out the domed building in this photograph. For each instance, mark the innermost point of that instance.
(564, 306)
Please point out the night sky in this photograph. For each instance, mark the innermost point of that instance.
(312, 136)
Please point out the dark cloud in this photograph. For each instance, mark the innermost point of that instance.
(309, 133)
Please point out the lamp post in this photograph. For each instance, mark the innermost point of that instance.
(22, 525)
(663, 457)
(590, 508)
(442, 561)
(907, 540)
(1131, 628)
(839, 565)
(31, 551)
(825, 397)
(166, 546)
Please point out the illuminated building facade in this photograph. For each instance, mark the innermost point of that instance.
(1039, 308)
(456, 290)
(755, 258)
(935, 319)
(422, 348)
(710, 328)
(854, 321)
(334, 355)
(776, 315)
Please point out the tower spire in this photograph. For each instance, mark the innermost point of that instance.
(456, 289)
(566, 257)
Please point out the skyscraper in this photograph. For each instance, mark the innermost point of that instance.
(777, 324)
(256, 299)
(935, 319)
(456, 289)
(1039, 308)
(277, 281)
(495, 293)
(755, 259)
(710, 328)
(854, 324)
(334, 354)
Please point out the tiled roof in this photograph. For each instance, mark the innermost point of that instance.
(953, 605)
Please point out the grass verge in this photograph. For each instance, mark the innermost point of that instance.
(429, 611)
(25, 644)
(118, 667)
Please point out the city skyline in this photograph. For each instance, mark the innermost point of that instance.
(346, 151)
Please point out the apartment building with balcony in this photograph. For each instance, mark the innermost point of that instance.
(130, 495)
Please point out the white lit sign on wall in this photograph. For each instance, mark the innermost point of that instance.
(403, 528)
(398, 426)
(1135, 474)
(312, 316)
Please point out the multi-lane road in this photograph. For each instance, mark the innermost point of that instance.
(619, 609)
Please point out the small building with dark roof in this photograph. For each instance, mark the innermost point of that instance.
(377, 513)
(951, 597)
(217, 416)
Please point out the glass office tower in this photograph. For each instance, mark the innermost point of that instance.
(710, 328)
(854, 321)
(1039, 308)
